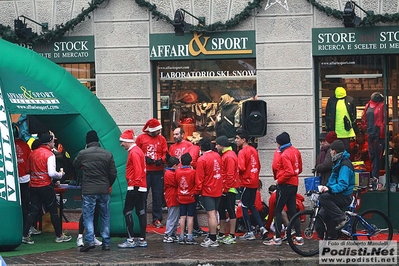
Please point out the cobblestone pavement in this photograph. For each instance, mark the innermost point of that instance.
(159, 253)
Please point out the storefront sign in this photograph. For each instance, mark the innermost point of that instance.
(355, 41)
(66, 50)
(195, 45)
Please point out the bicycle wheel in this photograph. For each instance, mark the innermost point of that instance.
(375, 226)
(313, 229)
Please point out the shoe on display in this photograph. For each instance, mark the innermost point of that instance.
(27, 240)
(97, 242)
(63, 238)
(127, 244)
(209, 243)
(79, 241)
(34, 231)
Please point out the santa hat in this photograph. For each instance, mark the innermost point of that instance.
(152, 125)
(127, 136)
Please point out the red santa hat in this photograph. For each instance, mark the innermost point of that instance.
(152, 125)
(127, 136)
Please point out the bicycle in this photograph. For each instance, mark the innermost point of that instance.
(370, 225)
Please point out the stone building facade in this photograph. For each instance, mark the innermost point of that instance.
(124, 74)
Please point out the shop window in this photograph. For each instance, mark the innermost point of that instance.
(194, 95)
(359, 75)
(84, 72)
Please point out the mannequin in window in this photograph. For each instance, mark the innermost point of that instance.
(373, 123)
(341, 116)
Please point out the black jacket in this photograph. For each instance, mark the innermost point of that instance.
(331, 112)
(98, 166)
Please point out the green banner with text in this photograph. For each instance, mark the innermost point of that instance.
(355, 41)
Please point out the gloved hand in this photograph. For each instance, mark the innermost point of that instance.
(158, 162)
(313, 170)
(148, 160)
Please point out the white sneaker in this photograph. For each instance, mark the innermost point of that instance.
(34, 231)
(79, 241)
(97, 242)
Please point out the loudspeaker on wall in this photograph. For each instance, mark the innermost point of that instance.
(254, 117)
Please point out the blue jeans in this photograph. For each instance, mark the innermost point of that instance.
(155, 182)
(88, 207)
(376, 150)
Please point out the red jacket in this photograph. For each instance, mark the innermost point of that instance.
(179, 148)
(135, 168)
(22, 150)
(185, 178)
(170, 187)
(379, 118)
(37, 166)
(209, 180)
(229, 170)
(287, 165)
(194, 151)
(154, 148)
(248, 167)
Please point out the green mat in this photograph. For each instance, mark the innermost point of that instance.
(43, 243)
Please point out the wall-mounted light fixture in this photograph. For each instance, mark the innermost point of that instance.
(21, 29)
(352, 76)
(349, 17)
(180, 25)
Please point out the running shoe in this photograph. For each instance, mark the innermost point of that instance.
(63, 238)
(229, 240)
(127, 244)
(248, 236)
(209, 243)
(27, 240)
(273, 242)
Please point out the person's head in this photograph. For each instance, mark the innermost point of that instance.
(205, 144)
(272, 188)
(178, 134)
(186, 159)
(322, 139)
(337, 147)
(35, 144)
(377, 97)
(331, 136)
(91, 136)
(283, 138)
(173, 161)
(360, 137)
(47, 139)
(242, 137)
(222, 142)
(127, 138)
(340, 92)
(152, 127)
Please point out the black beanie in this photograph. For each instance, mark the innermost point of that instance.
(223, 141)
(337, 146)
(283, 138)
(91, 136)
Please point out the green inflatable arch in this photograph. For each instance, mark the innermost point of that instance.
(33, 85)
